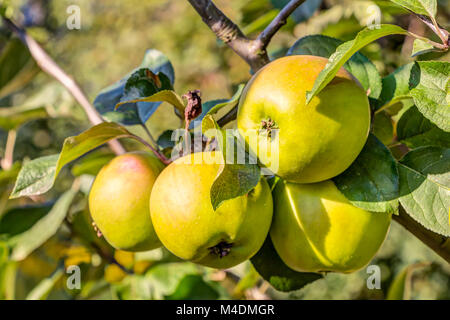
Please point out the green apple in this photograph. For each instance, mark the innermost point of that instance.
(316, 229)
(187, 225)
(315, 142)
(118, 201)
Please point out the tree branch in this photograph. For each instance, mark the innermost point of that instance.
(230, 33)
(438, 243)
(228, 117)
(50, 67)
(276, 24)
(252, 51)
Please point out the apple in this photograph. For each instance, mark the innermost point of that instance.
(118, 201)
(316, 229)
(315, 142)
(187, 225)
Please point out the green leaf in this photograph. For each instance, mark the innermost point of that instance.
(430, 90)
(43, 289)
(395, 86)
(382, 127)
(213, 106)
(144, 83)
(421, 47)
(135, 113)
(169, 96)
(346, 50)
(38, 176)
(414, 130)
(17, 67)
(233, 179)
(165, 140)
(165, 278)
(13, 117)
(270, 266)
(91, 163)
(211, 129)
(423, 7)
(42, 230)
(193, 287)
(18, 220)
(425, 187)
(372, 181)
(358, 65)
(400, 288)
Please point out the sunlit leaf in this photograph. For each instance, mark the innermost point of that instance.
(425, 187)
(37, 176)
(213, 106)
(421, 47)
(414, 130)
(430, 90)
(424, 7)
(169, 96)
(372, 181)
(134, 113)
(358, 65)
(347, 49)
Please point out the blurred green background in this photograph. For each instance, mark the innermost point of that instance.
(113, 38)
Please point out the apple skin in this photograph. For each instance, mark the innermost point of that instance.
(187, 225)
(317, 141)
(316, 229)
(118, 201)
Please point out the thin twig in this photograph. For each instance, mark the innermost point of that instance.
(276, 24)
(437, 29)
(155, 144)
(7, 160)
(109, 258)
(50, 67)
(228, 117)
(157, 153)
(252, 51)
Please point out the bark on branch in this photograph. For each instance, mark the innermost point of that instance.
(438, 243)
(252, 51)
(276, 24)
(229, 32)
(50, 67)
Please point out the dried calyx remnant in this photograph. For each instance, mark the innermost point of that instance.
(194, 105)
(268, 125)
(221, 249)
(192, 111)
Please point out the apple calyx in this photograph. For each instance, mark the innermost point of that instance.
(268, 125)
(221, 249)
